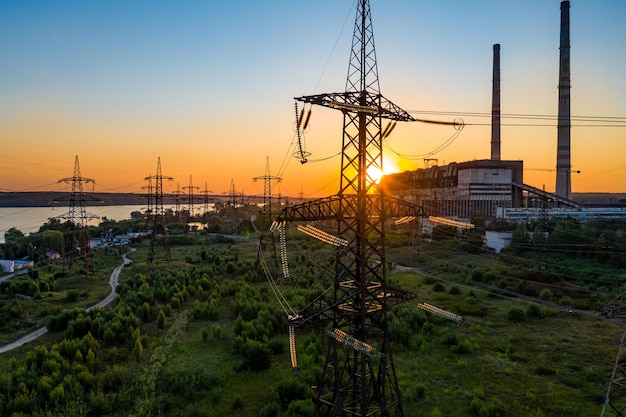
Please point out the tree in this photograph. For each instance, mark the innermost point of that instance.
(161, 320)
(138, 350)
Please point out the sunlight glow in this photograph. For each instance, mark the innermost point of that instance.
(389, 167)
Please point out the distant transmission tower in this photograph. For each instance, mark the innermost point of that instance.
(190, 201)
(359, 378)
(267, 192)
(205, 200)
(157, 215)
(267, 207)
(177, 199)
(148, 196)
(232, 195)
(76, 240)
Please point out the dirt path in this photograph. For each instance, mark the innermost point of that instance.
(104, 302)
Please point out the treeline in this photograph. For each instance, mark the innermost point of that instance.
(84, 374)
(602, 240)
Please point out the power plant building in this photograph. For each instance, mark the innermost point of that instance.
(493, 188)
(462, 191)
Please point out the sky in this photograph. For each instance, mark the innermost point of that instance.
(208, 87)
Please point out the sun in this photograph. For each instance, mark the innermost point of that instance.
(389, 167)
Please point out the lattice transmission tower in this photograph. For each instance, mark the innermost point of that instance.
(76, 238)
(268, 196)
(190, 197)
(266, 212)
(157, 215)
(359, 377)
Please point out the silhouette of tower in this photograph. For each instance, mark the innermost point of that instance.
(267, 192)
(148, 196)
(563, 158)
(190, 189)
(359, 377)
(205, 200)
(76, 239)
(232, 195)
(177, 199)
(157, 215)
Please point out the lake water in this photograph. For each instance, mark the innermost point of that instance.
(30, 219)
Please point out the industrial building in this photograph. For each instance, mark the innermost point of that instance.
(493, 188)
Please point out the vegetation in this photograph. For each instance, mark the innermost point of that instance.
(204, 335)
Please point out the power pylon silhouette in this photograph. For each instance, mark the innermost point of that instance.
(190, 199)
(205, 200)
(157, 215)
(76, 239)
(359, 377)
(177, 200)
(232, 195)
(266, 213)
(267, 191)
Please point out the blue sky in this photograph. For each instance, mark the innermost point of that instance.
(209, 86)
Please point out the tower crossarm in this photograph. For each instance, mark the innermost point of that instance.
(360, 102)
(336, 207)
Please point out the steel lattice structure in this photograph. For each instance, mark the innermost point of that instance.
(157, 214)
(77, 238)
(359, 377)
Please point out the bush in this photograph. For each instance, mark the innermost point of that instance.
(217, 332)
(161, 320)
(546, 294)
(516, 315)
(72, 296)
(454, 290)
(256, 356)
(533, 310)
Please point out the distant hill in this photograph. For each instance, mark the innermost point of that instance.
(61, 199)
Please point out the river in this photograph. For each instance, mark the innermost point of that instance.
(30, 219)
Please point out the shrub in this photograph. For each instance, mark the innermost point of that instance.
(237, 403)
(533, 310)
(72, 296)
(256, 356)
(546, 294)
(161, 320)
(217, 332)
(516, 315)
(454, 290)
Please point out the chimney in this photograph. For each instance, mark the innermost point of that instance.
(495, 105)
(563, 154)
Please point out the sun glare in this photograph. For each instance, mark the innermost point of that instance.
(389, 167)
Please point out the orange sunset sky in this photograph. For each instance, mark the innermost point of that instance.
(208, 87)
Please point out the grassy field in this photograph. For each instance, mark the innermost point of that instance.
(550, 361)
(75, 288)
(559, 363)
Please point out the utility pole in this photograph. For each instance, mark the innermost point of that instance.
(76, 239)
(177, 199)
(359, 377)
(157, 215)
(190, 189)
(205, 200)
(267, 192)
(267, 207)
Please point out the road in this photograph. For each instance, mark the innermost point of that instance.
(103, 303)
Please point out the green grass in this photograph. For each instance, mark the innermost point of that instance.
(21, 316)
(559, 363)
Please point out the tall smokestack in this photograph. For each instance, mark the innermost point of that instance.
(495, 105)
(563, 154)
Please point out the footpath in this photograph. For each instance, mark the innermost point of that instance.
(103, 303)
